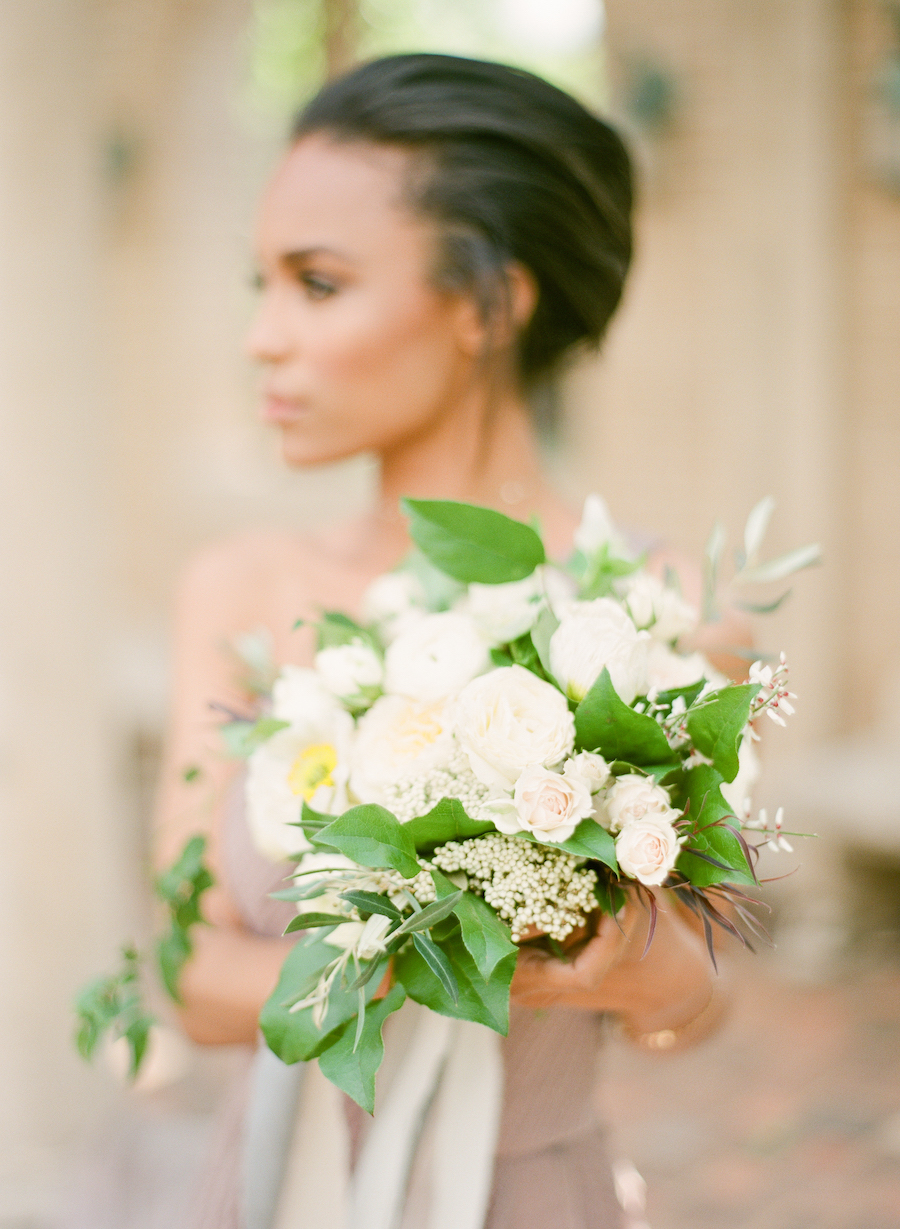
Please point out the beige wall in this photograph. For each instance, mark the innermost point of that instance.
(757, 352)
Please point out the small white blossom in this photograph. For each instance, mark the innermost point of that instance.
(349, 670)
(656, 608)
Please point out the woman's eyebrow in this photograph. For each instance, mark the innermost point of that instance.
(298, 259)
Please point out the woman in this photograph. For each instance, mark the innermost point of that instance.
(439, 237)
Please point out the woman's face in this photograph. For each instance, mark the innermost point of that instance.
(361, 351)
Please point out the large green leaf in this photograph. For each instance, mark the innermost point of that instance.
(605, 723)
(713, 830)
(354, 1073)
(716, 728)
(591, 840)
(471, 543)
(448, 821)
(292, 1035)
(371, 835)
(485, 936)
(481, 1000)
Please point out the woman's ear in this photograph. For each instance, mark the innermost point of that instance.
(512, 309)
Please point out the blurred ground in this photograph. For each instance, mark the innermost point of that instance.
(788, 1119)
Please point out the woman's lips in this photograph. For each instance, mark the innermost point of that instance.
(282, 409)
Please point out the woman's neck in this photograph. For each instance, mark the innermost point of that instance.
(483, 454)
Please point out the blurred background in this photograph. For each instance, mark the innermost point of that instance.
(757, 352)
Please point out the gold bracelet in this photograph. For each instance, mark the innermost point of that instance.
(665, 1038)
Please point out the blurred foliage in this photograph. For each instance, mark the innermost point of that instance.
(288, 38)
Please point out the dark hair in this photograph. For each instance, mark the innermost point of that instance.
(515, 169)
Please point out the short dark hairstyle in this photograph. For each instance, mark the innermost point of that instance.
(515, 170)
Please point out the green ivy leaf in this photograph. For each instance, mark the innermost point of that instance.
(241, 738)
(541, 634)
(334, 629)
(448, 821)
(114, 1005)
(354, 1071)
(471, 543)
(717, 726)
(181, 888)
(486, 937)
(370, 834)
(713, 830)
(591, 840)
(604, 723)
(292, 1035)
(486, 1001)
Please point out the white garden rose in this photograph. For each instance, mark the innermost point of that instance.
(301, 697)
(396, 738)
(590, 768)
(647, 849)
(510, 719)
(667, 669)
(657, 608)
(547, 804)
(435, 657)
(307, 761)
(349, 670)
(504, 612)
(633, 797)
(595, 634)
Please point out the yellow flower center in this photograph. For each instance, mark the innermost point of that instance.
(312, 767)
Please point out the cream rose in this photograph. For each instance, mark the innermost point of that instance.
(510, 719)
(633, 797)
(595, 634)
(395, 738)
(349, 670)
(647, 849)
(547, 804)
(435, 657)
(589, 767)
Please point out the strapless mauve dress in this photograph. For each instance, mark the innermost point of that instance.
(550, 1168)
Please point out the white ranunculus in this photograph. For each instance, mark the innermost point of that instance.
(738, 793)
(504, 612)
(595, 634)
(589, 767)
(647, 849)
(349, 670)
(308, 761)
(658, 609)
(633, 797)
(435, 657)
(547, 804)
(396, 738)
(510, 719)
(597, 530)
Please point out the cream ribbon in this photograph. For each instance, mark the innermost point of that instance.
(449, 1072)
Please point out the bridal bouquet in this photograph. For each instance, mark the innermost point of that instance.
(499, 751)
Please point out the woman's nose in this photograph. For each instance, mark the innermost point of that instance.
(268, 339)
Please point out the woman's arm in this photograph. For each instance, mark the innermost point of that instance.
(673, 989)
(231, 971)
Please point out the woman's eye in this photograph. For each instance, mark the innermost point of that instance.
(317, 287)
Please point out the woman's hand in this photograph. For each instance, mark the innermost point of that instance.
(666, 989)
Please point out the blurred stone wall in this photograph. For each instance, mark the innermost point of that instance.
(757, 353)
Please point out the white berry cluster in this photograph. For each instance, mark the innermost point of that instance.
(417, 794)
(529, 885)
(421, 887)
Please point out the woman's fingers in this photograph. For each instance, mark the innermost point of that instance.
(540, 979)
